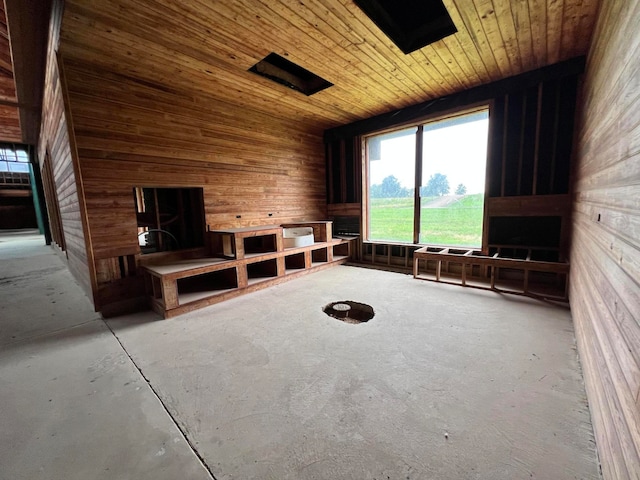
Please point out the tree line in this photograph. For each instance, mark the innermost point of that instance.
(437, 186)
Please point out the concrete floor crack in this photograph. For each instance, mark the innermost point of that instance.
(168, 412)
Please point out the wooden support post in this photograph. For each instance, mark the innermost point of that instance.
(169, 293)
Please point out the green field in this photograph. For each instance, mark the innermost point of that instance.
(459, 223)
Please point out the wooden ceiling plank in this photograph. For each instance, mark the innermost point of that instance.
(509, 35)
(570, 24)
(473, 38)
(318, 29)
(435, 54)
(150, 65)
(261, 102)
(523, 33)
(586, 25)
(409, 67)
(201, 50)
(374, 82)
(489, 23)
(555, 18)
(458, 55)
(538, 21)
(81, 82)
(169, 41)
(284, 29)
(366, 44)
(468, 46)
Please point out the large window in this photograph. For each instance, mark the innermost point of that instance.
(426, 183)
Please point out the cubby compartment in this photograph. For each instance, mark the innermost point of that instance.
(197, 287)
(322, 232)
(260, 271)
(340, 251)
(260, 244)
(319, 256)
(295, 262)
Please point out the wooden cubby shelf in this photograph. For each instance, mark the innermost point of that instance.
(242, 260)
(517, 273)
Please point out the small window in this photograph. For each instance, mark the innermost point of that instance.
(169, 218)
(14, 160)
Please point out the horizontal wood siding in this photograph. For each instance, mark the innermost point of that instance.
(605, 291)
(255, 168)
(54, 138)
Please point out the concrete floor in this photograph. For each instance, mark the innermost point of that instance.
(443, 383)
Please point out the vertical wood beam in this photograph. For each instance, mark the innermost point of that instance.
(418, 184)
(556, 127)
(331, 194)
(536, 148)
(523, 124)
(505, 121)
(343, 172)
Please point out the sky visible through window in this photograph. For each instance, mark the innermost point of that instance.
(13, 160)
(458, 151)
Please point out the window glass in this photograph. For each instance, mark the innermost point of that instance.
(454, 158)
(392, 165)
(451, 187)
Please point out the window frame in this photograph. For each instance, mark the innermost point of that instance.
(419, 125)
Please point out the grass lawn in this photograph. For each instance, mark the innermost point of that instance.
(459, 223)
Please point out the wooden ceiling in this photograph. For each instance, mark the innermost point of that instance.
(23, 36)
(205, 47)
(9, 114)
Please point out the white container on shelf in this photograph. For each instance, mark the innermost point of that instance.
(297, 237)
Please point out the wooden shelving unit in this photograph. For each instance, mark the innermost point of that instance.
(243, 260)
(522, 275)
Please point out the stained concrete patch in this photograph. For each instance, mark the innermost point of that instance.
(73, 406)
(445, 383)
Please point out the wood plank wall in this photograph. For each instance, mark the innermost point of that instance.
(255, 168)
(54, 145)
(605, 260)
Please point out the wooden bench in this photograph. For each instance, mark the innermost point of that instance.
(525, 276)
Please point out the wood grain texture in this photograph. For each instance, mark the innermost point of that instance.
(10, 130)
(254, 168)
(55, 145)
(207, 48)
(605, 291)
(28, 22)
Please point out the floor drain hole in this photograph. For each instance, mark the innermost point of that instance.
(349, 312)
